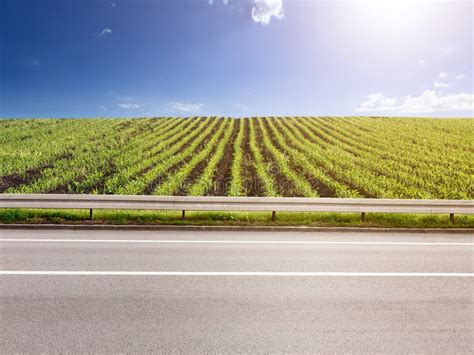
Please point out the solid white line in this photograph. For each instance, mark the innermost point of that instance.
(157, 241)
(225, 273)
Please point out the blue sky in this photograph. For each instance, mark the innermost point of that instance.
(128, 58)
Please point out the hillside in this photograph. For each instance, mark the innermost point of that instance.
(291, 156)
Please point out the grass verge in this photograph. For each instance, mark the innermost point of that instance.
(382, 220)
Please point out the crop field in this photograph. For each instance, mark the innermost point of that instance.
(262, 156)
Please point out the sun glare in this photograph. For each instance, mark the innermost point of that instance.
(393, 15)
(390, 8)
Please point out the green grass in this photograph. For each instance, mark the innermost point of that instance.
(234, 218)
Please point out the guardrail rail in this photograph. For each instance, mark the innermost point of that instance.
(248, 204)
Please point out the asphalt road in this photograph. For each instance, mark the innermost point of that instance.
(144, 291)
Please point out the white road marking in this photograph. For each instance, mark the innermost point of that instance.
(226, 273)
(157, 241)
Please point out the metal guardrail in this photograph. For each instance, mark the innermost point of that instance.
(249, 204)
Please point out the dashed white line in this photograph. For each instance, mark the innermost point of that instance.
(158, 241)
(244, 274)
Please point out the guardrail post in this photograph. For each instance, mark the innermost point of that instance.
(183, 214)
(274, 216)
(451, 217)
(362, 216)
(91, 215)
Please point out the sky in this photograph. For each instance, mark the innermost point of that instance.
(135, 58)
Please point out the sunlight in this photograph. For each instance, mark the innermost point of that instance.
(393, 6)
(408, 25)
(393, 14)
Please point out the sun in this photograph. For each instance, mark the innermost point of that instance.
(393, 15)
(391, 8)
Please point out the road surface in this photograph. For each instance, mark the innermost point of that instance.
(252, 292)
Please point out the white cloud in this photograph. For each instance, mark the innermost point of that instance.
(240, 107)
(264, 10)
(210, 2)
(129, 106)
(125, 98)
(114, 4)
(428, 102)
(421, 62)
(443, 75)
(184, 107)
(460, 77)
(439, 85)
(375, 101)
(105, 31)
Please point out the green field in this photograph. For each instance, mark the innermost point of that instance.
(372, 157)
